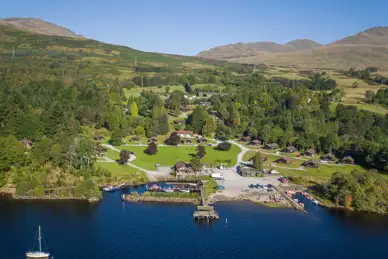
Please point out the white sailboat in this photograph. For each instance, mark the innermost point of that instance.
(38, 254)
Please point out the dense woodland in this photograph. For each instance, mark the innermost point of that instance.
(50, 98)
(368, 75)
(359, 191)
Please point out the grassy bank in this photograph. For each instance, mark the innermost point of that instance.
(169, 155)
(122, 173)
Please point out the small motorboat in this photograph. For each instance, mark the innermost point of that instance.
(111, 188)
(315, 202)
(296, 200)
(168, 190)
(184, 190)
(155, 188)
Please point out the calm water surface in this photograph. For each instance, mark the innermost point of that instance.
(113, 229)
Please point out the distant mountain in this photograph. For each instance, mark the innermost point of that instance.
(367, 48)
(372, 36)
(39, 27)
(303, 44)
(257, 48)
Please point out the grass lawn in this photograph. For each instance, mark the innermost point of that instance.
(271, 160)
(116, 169)
(323, 173)
(123, 172)
(169, 155)
(112, 154)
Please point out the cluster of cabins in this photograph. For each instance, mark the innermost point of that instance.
(286, 160)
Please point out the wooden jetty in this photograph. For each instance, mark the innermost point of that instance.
(205, 212)
(292, 202)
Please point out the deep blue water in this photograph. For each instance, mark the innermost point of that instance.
(113, 229)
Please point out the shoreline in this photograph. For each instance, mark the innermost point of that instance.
(54, 198)
(141, 198)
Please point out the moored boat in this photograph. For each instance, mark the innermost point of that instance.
(168, 189)
(111, 188)
(39, 253)
(154, 188)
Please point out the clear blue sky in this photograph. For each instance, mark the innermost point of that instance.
(189, 26)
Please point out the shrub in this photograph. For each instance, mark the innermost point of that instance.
(224, 146)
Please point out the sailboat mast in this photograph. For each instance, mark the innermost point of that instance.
(39, 240)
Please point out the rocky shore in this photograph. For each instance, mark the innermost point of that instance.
(140, 198)
(54, 198)
(254, 197)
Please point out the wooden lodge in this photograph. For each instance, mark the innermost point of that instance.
(290, 149)
(246, 139)
(328, 158)
(255, 142)
(309, 152)
(185, 133)
(135, 138)
(186, 141)
(271, 146)
(183, 169)
(284, 160)
(348, 160)
(153, 139)
(100, 150)
(311, 164)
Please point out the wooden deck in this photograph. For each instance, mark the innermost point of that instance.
(205, 212)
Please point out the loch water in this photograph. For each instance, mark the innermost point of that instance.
(117, 230)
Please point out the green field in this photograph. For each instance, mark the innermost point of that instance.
(168, 156)
(135, 91)
(123, 172)
(323, 173)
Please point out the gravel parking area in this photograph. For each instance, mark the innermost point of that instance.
(235, 184)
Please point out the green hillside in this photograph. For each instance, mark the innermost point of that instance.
(41, 56)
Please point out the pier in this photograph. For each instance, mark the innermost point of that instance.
(291, 201)
(205, 212)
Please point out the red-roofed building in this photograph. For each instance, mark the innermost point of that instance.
(185, 133)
